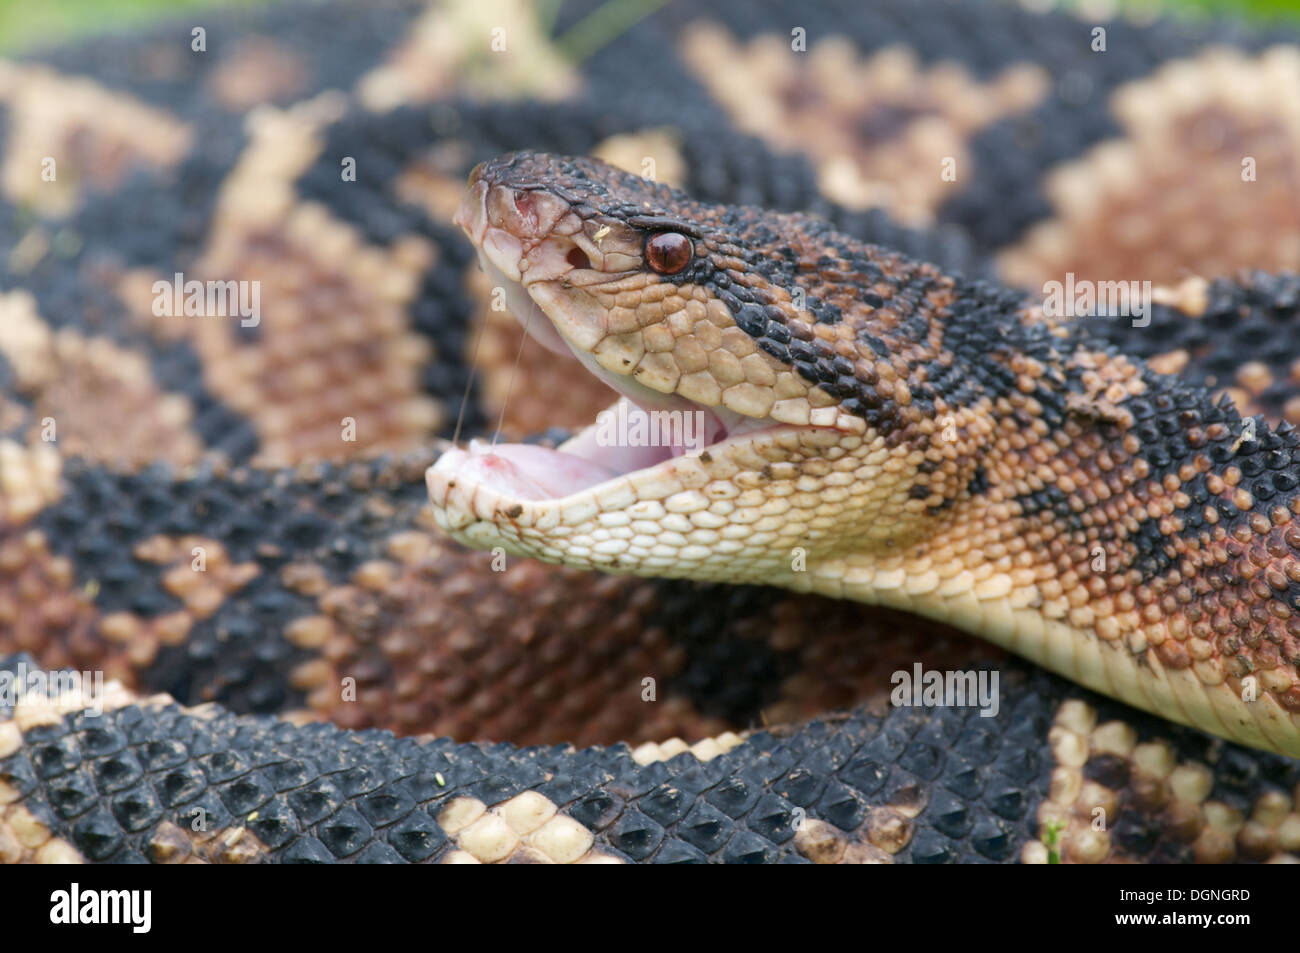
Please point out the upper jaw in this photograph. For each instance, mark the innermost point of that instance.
(471, 215)
(525, 241)
(529, 235)
(528, 214)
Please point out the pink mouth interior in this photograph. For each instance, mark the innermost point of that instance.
(530, 472)
(521, 471)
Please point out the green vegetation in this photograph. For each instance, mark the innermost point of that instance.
(25, 23)
(1260, 9)
(1238, 9)
(1053, 841)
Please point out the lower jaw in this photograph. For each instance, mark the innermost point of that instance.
(599, 454)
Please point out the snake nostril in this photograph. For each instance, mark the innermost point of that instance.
(577, 258)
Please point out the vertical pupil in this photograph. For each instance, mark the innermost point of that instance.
(669, 252)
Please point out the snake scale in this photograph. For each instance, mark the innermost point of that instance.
(830, 239)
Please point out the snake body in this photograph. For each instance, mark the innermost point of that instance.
(901, 438)
(229, 513)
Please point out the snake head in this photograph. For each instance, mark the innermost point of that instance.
(756, 421)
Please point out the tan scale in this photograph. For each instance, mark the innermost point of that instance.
(1124, 211)
(95, 137)
(199, 573)
(886, 830)
(490, 49)
(95, 398)
(30, 480)
(256, 71)
(333, 371)
(1077, 815)
(524, 829)
(46, 612)
(169, 843)
(25, 840)
(509, 376)
(879, 127)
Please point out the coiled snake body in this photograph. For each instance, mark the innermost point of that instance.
(222, 501)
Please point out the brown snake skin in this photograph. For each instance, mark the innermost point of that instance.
(226, 511)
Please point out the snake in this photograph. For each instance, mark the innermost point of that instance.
(602, 433)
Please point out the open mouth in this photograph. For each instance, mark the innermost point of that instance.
(543, 275)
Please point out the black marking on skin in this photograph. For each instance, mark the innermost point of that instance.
(726, 675)
(336, 57)
(665, 223)
(886, 121)
(94, 526)
(919, 491)
(10, 395)
(177, 367)
(1050, 499)
(873, 342)
(736, 808)
(1153, 558)
(442, 310)
(238, 656)
(1253, 322)
(1165, 418)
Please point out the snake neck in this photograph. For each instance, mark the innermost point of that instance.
(1119, 526)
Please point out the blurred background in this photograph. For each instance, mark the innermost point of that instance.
(26, 23)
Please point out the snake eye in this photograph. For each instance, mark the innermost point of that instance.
(668, 252)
